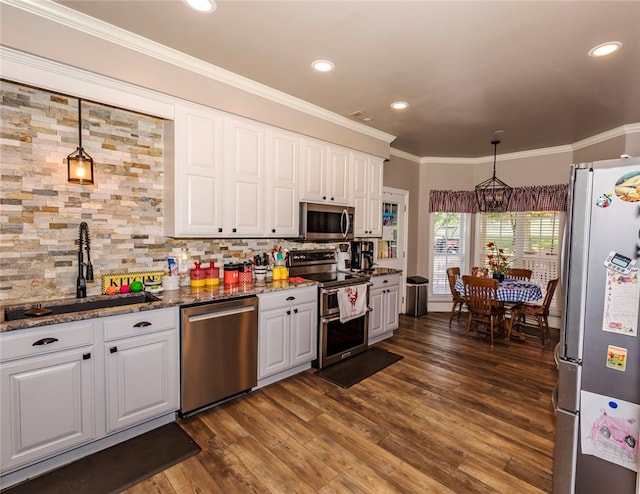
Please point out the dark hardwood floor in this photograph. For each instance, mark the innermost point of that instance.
(453, 416)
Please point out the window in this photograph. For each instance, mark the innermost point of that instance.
(530, 239)
(449, 247)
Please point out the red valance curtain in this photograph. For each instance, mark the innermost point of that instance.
(533, 198)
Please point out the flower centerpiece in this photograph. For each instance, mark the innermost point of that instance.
(498, 261)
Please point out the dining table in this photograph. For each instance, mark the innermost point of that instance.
(511, 291)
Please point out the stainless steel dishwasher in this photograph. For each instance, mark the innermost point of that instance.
(219, 352)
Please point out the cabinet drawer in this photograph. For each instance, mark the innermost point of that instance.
(386, 280)
(282, 298)
(45, 339)
(140, 323)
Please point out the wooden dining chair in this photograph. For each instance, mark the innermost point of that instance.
(530, 315)
(458, 300)
(519, 274)
(481, 296)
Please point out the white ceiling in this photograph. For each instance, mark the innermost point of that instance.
(467, 68)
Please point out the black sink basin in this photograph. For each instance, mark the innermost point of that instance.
(77, 305)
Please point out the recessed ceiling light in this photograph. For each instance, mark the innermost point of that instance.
(399, 105)
(323, 65)
(604, 49)
(206, 6)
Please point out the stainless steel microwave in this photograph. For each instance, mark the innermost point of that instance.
(326, 222)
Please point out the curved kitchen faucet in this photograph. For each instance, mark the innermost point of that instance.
(83, 242)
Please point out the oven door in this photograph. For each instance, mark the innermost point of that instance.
(339, 340)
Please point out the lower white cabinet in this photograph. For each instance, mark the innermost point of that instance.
(48, 392)
(287, 330)
(66, 385)
(142, 366)
(384, 298)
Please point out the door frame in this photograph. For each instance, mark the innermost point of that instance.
(404, 233)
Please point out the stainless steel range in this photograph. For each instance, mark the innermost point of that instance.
(336, 340)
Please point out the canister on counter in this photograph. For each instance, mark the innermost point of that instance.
(245, 276)
(197, 276)
(230, 274)
(212, 277)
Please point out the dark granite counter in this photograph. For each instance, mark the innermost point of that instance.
(381, 271)
(172, 298)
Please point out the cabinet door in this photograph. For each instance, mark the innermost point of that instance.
(376, 322)
(374, 195)
(273, 342)
(338, 176)
(47, 405)
(282, 206)
(313, 171)
(142, 378)
(392, 299)
(245, 170)
(304, 334)
(194, 199)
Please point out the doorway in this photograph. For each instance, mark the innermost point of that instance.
(390, 250)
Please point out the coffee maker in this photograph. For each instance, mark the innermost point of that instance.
(361, 256)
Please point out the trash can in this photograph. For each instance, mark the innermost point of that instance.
(417, 296)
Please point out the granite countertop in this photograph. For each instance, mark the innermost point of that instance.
(169, 298)
(380, 271)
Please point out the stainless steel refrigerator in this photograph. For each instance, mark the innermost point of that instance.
(597, 398)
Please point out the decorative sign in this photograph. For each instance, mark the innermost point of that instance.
(119, 279)
(621, 301)
(617, 358)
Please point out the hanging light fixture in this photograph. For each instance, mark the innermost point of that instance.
(493, 194)
(79, 163)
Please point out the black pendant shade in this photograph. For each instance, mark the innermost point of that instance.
(493, 194)
(79, 163)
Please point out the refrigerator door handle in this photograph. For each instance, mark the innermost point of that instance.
(554, 398)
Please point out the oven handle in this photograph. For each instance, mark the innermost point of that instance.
(335, 290)
(327, 320)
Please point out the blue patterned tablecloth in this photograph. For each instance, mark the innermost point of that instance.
(512, 290)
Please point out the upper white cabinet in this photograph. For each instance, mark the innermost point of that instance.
(282, 178)
(366, 181)
(234, 177)
(325, 172)
(245, 158)
(194, 181)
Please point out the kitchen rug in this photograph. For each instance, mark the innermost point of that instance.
(359, 367)
(116, 468)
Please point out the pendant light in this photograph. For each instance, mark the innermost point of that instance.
(79, 163)
(493, 194)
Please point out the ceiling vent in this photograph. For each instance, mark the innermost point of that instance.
(362, 116)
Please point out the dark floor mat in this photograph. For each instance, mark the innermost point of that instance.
(358, 367)
(116, 468)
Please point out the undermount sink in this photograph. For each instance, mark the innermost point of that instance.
(57, 307)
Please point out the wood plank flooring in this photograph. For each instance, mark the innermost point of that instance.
(453, 416)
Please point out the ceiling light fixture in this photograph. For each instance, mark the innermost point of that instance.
(493, 194)
(323, 65)
(399, 105)
(204, 6)
(79, 163)
(605, 49)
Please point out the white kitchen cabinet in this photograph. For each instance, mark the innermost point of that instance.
(48, 392)
(194, 180)
(287, 330)
(245, 162)
(325, 172)
(384, 298)
(282, 177)
(142, 366)
(366, 180)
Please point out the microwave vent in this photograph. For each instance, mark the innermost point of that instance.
(362, 116)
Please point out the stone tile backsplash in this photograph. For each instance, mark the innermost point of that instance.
(40, 211)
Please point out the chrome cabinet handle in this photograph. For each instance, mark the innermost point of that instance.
(45, 341)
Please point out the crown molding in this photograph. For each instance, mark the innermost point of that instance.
(81, 22)
(623, 130)
(404, 155)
